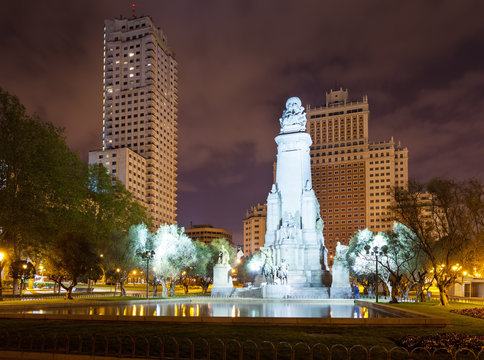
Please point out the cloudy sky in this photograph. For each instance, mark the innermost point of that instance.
(421, 63)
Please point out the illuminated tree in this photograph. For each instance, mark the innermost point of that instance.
(174, 253)
(363, 262)
(394, 250)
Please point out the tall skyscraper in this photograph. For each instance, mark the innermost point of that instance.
(140, 114)
(351, 175)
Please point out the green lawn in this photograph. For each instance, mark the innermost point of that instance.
(311, 335)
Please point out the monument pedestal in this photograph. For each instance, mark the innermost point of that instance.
(340, 287)
(222, 280)
(276, 291)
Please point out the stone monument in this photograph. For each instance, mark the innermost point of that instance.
(294, 238)
(340, 287)
(222, 275)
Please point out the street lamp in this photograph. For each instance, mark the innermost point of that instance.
(2, 255)
(147, 255)
(376, 251)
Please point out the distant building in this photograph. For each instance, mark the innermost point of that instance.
(351, 175)
(254, 229)
(206, 233)
(469, 286)
(139, 143)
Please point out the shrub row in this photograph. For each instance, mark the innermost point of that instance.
(474, 312)
(448, 341)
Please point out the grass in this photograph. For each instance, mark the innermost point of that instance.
(329, 336)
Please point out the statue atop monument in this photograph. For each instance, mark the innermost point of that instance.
(340, 256)
(223, 256)
(293, 118)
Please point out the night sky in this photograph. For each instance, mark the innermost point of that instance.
(421, 63)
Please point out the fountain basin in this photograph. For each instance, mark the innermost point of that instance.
(348, 313)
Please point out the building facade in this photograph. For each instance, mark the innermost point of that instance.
(139, 143)
(351, 175)
(254, 229)
(207, 233)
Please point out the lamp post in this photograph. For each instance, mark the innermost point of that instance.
(118, 280)
(376, 251)
(147, 255)
(2, 255)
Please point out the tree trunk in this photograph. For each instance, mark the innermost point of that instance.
(444, 297)
(164, 290)
(172, 289)
(205, 288)
(69, 293)
(155, 288)
(122, 288)
(22, 284)
(15, 286)
(185, 289)
(394, 294)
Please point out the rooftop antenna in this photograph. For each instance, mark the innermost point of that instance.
(133, 9)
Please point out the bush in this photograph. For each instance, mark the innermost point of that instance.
(43, 284)
(447, 341)
(474, 312)
(39, 284)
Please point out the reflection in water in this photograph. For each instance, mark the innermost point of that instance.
(225, 309)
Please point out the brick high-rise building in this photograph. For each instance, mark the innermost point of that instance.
(140, 114)
(254, 227)
(351, 175)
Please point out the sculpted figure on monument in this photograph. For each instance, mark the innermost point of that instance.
(293, 118)
(288, 228)
(324, 257)
(268, 269)
(340, 254)
(308, 186)
(282, 270)
(223, 256)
